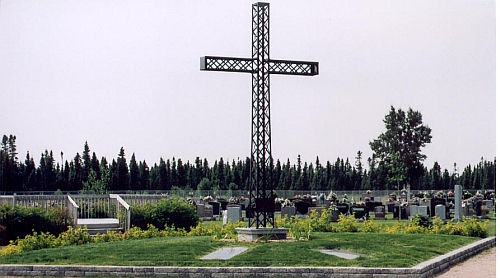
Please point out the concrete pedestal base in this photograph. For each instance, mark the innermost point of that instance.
(252, 234)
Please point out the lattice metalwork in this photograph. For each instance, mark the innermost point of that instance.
(260, 66)
(226, 64)
(293, 67)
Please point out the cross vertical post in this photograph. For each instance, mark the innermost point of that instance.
(261, 213)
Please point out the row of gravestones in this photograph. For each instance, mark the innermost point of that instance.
(211, 210)
(435, 207)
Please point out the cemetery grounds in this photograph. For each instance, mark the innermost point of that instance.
(374, 249)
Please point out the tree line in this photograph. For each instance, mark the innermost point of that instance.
(86, 172)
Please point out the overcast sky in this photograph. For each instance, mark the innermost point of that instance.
(126, 73)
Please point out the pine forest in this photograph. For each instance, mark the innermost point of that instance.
(88, 173)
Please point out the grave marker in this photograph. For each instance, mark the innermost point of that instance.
(423, 210)
(441, 212)
(233, 213)
(458, 203)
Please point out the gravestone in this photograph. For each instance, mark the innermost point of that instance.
(244, 203)
(413, 210)
(380, 213)
(423, 210)
(224, 217)
(390, 206)
(441, 212)
(200, 208)
(206, 212)
(468, 209)
(434, 203)
(233, 214)
(343, 208)
(335, 214)
(302, 206)
(488, 204)
(318, 210)
(458, 202)
(359, 211)
(216, 207)
(288, 212)
(404, 212)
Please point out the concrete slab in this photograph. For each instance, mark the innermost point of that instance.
(225, 253)
(340, 253)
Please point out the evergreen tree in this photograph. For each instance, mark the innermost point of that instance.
(181, 174)
(94, 165)
(447, 185)
(436, 177)
(144, 176)
(75, 173)
(86, 162)
(134, 183)
(29, 182)
(122, 171)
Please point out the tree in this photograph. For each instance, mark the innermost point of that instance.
(399, 147)
(86, 162)
(122, 170)
(134, 173)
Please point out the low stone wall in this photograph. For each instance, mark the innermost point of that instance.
(425, 269)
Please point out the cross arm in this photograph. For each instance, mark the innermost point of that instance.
(293, 67)
(213, 63)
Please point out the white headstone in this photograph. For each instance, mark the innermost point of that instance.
(441, 212)
(234, 213)
(413, 210)
(458, 202)
(224, 217)
(422, 211)
(288, 212)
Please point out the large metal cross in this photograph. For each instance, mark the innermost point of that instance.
(261, 212)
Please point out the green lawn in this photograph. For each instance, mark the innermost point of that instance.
(377, 250)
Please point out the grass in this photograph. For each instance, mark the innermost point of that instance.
(376, 250)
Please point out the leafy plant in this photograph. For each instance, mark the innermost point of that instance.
(166, 213)
(369, 226)
(347, 224)
(17, 221)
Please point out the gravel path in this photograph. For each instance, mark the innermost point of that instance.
(482, 265)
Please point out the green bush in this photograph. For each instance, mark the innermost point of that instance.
(369, 226)
(347, 224)
(18, 222)
(171, 212)
(474, 228)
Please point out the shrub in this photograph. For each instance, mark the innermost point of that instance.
(140, 216)
(398, 228)
(347, 224)
(417, 225)
(369, 226)
(474, 228)
(171, 212)
(300, 228)
(18, 222)
(321, 223)
(72, 236)
(438, 226)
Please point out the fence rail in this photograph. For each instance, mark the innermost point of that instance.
(122, 211)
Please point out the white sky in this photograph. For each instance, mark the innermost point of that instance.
(126, 73)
